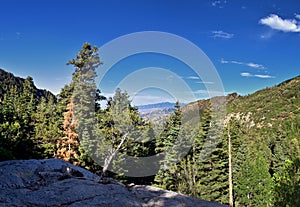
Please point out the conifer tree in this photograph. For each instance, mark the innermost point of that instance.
(84, 98)
(287, 184)
(212, 160)
(28, 101)
(81, 97)
(166, 177)
(17, 127)
(187, 168)
(122, 131)
(254, 183)
(47, 127)
(10, 124)
(67, 146)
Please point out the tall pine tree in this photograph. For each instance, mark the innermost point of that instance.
(123, 133)
(67, 145)
(47, 127)
(80, 118)
(166, 177)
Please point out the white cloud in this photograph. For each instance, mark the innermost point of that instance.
(254, 65)
(205, 82)
(220, 4)
(277, 23)
(222, 34)
(215, 3)
(263, 76)
(268, 34)
(250, 64)
(246, 74)
(297, 16)
(192, 77)
(197, 78)
(207, 92)
(237, 62)
(224, 61)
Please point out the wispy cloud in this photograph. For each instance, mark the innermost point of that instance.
(215, 3)
(219, 3)
(205, 82)
(297, 16)
(246, 74)
(208, 92)
(221, 34)
(263, 76)
(267, 34)
(192, 77)
(249, 64)
(197, 78)
(18, 35)
(255, 65)
(277, 23)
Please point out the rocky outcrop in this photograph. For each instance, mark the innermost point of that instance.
(53, 182)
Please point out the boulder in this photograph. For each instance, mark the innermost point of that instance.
(53, 182)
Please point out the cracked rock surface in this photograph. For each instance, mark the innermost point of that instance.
(53, 182)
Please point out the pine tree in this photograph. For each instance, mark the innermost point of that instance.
(81, 98)
(192, 165)
(47, 127)
(28, 101)
(166, 177)
(122, 132)
(67, 146)
(254, 183)
(287, 185)
(212, 160)
(187, 169)
(9, 124)
(84, 98)
(28, 106)
(238, 127)
(17, 127)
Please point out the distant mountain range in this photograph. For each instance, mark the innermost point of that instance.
(157, 112)
(159, 106)
(270, 107)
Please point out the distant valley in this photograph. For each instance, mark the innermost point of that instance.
(157, 112)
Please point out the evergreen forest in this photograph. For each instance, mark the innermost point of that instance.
(248, 157)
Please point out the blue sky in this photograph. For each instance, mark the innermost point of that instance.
(252, 44)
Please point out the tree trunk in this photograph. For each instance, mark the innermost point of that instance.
(111, 156)
(229, 167)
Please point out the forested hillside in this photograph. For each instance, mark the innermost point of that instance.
(250, 157)
(29, 124)
(264, 129)
(8, 80)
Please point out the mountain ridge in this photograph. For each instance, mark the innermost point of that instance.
(8, 80)
(159, 105)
